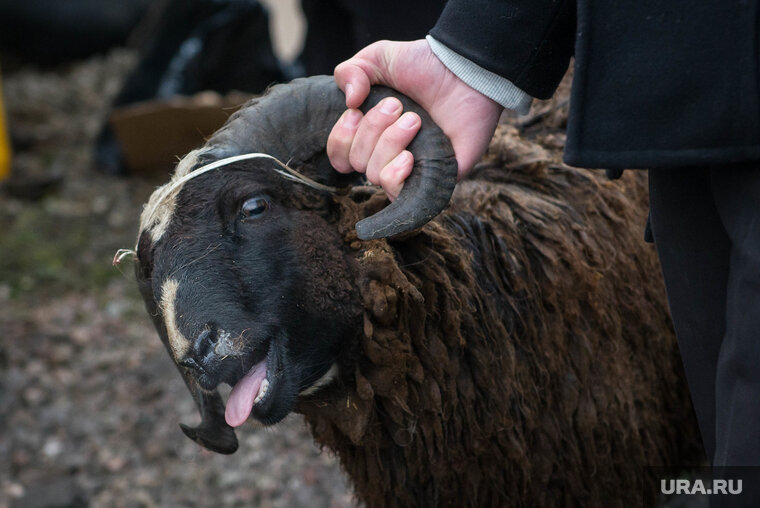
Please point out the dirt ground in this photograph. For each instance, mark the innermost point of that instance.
(89, 400)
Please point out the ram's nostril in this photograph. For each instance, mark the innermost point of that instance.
(204, 342)
(190, 363)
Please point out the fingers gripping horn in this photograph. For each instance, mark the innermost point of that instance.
(292, 122)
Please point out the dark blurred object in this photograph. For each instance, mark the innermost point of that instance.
(225, 45)
(62, 492)
(196, 45)
(339, 28)
(53, 31)
(31, 187)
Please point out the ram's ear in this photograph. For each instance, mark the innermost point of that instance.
(213, 432)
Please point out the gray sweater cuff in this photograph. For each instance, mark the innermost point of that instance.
(484, 81)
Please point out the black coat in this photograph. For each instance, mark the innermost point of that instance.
(657, 83)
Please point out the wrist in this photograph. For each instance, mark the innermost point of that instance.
(493, 86)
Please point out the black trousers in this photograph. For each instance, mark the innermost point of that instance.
(706, 225)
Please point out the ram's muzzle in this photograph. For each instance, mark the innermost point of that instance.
(213, 432)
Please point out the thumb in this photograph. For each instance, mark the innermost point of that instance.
(355, 75)
(354, 82)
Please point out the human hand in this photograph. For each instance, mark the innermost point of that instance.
(375, 143)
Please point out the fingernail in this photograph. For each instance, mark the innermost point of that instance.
(389, 106)
(407, 120)
(351, 118)
(349, 90)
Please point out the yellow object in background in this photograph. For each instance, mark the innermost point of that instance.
(5, 145)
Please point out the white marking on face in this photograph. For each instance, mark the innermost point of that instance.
(177, 342)
(226, 345)
(156, 217)
(328, 376)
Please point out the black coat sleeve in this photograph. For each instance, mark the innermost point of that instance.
(528, 42)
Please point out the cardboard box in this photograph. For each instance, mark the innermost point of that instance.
(154, 135)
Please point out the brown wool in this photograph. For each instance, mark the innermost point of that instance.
(515, 351)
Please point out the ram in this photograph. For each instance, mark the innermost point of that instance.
(515, 350)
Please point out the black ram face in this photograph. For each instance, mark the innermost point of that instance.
(249, 288)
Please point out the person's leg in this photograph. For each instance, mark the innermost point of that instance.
(694, 250)
(737, 197)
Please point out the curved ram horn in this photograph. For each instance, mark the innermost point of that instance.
(213, 432)
(292, 122)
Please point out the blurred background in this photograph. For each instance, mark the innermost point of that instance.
(99, 99)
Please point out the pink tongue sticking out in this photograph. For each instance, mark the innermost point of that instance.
(240, 401)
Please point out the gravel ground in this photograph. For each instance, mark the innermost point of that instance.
(89, 400)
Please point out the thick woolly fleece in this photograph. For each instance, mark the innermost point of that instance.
(516, 351)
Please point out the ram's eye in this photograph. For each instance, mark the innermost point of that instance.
(254, 207)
